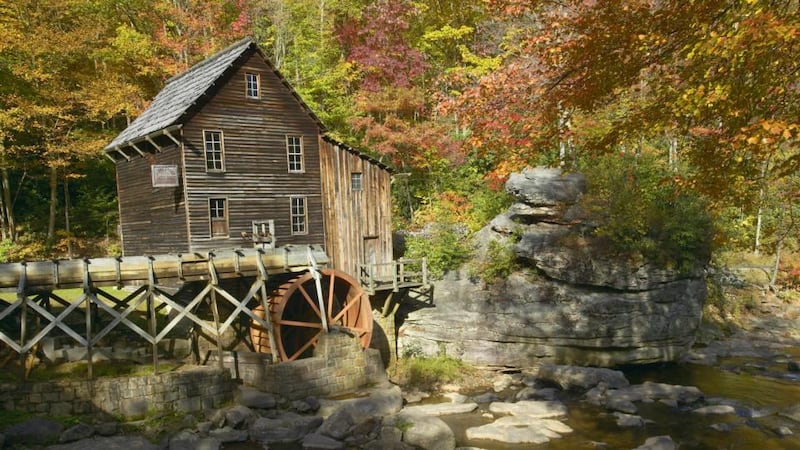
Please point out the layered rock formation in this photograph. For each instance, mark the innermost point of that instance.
(571, 301)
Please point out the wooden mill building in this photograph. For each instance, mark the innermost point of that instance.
(228, 155)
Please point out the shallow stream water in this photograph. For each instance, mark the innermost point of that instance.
(758, 388)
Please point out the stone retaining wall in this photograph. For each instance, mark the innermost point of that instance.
(181, 391)
(339, 366)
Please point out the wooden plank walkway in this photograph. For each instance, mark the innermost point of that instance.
(395, 275)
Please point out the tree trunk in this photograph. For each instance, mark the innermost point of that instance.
(51, 224)
(66, 218)
(8, 207)
(762, 194)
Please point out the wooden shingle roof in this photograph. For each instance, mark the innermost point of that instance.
(169, 108)
(179, 94)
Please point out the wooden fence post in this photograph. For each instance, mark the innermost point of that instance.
(151, 310)
(88, 299)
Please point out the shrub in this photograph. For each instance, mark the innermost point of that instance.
(427, 372)
(640, 211)
(444, 247)
(498, 262)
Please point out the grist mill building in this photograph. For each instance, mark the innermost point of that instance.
(228, 155)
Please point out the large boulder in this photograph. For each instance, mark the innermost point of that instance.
(570, 301)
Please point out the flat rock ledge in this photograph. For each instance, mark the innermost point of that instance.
(529, 422)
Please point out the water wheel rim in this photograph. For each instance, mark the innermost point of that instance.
(351, 312)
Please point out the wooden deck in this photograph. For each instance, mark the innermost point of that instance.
(394, 276)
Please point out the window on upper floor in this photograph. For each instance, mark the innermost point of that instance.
(299, 217)
(356, 181)
(252, 82)
(218, 214)
(214, 148)
(294, 153)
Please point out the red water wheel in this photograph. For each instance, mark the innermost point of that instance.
(297, 319)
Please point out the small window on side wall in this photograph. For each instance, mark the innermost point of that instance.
(356, 182)
(299, 216)
(213, 148)
(252, 81)
(294, 153)
(218, 212)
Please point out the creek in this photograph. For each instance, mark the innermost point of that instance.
(759, 387)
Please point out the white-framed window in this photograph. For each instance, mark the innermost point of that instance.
(356, 181)
(299, 216)
(294, 153)
(218, 214)
(252, 81)
(213, 149)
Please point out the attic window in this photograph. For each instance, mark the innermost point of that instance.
(212, 143)
(356, 183)
(251, 85)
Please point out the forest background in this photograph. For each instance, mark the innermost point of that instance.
(684, 113)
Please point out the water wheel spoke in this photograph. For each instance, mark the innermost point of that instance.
(346, 308)
(297, 323)
(312, 341)
(310, 301)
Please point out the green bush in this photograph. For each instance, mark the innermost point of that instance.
(498, 262)
(427, 372)
(444, 247)
(640, 211)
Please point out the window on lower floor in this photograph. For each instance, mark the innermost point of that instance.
(299, 216)
(218, 211)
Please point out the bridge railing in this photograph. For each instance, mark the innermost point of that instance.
(394, 275)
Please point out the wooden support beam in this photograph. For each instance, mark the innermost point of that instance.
(87, 294)
(153, 143)
(124, 155)
(169, 135)
(138, 150)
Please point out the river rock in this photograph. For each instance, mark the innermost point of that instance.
(581, 378)
(570, 301)
(535, 409)
(188, 440)
(793, 366)
(715, 410)
(288, 428)
(109, 443)
(658, 443)
(429, 433)
(36, 431)
(253, 398)
(441, 409)
(519, 430)
(628, 420)
(76, 433)
(239, 416)
(228, 434)
(316, 441)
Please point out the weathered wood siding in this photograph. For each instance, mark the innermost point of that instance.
(256, 181)
(153, 220)
(358, 224)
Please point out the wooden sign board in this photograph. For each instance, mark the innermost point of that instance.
(165, 175)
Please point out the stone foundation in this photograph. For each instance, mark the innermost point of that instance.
(181, 391)
(339, 366)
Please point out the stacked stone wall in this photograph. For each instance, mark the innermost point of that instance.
(181, 391)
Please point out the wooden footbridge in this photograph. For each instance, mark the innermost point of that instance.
(304, 298)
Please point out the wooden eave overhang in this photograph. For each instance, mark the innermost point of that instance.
(360, 154)
(141, 145)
